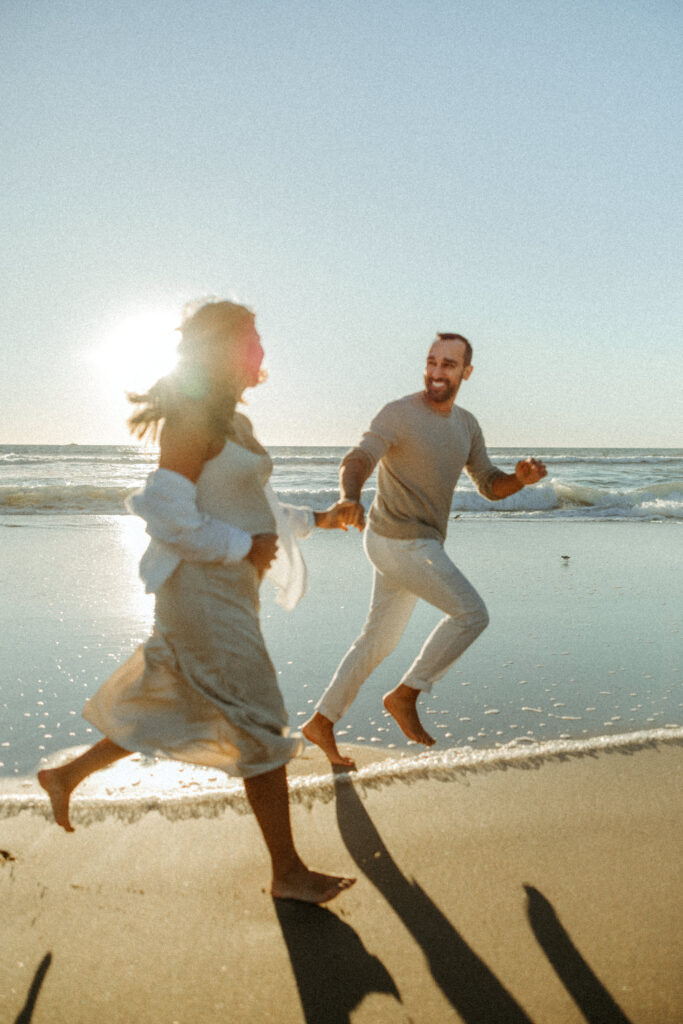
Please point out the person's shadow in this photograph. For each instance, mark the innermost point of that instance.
(583, 985)
(334, 972)
(26, 1013)
(465, 980)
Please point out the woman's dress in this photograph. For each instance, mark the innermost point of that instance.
(203, 688)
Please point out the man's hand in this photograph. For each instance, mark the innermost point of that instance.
(340, 516)
(262, 552)
(530, 471)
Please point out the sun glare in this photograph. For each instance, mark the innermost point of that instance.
(139, 350)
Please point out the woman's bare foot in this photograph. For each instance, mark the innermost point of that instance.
(309, 886)
(59, 794)
(401, 705)
(320, 730)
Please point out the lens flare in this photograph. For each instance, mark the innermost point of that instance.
(138, 351)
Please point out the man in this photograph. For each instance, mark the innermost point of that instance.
(421, 442)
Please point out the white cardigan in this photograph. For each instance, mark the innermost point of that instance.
(180, 532)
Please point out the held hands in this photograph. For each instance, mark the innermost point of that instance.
(530, 471)
(341, 515)
(262, 552)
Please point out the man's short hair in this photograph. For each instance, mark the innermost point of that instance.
(445, 336)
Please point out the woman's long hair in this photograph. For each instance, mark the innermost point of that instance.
(202, 328)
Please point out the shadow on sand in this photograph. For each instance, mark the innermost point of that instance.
(34, 991)
(585, 988)
(469, 985)
(334, 972)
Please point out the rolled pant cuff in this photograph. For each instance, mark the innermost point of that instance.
(327, 712)
(416, 684)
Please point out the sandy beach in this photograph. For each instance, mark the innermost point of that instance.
(547, 893)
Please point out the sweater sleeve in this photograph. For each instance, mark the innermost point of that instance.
(168, 504)
(479, 466)
(377, 439)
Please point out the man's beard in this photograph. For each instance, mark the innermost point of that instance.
(440, 394)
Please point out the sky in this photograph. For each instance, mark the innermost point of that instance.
(362, 174)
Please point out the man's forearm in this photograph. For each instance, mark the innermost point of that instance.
(527, 471)
(504, 485)
(352, 476)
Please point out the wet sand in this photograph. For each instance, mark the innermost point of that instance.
(583, 647)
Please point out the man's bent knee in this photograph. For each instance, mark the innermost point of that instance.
(478, 620)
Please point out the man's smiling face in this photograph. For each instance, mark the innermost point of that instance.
(444, 373)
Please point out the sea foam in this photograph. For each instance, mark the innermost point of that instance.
(180, 792)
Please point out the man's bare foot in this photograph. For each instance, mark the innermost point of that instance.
(309, 886)
(320, 730)
(401, 705)
(59, 794)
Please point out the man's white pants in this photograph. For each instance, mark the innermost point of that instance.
(405, 570)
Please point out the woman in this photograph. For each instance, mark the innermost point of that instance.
(203, 689)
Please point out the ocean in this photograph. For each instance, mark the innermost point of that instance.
(640, 484)
(582, 574)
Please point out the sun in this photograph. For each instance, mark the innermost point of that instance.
(138, 351)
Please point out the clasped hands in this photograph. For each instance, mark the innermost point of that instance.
(339, 516)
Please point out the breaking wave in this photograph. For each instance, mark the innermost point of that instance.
(659, 501)
(83, 498)
(552, 498)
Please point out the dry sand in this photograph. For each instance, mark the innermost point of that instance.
(548, 893)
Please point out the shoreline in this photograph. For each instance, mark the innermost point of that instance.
(180, 791)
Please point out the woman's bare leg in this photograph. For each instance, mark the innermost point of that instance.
(59, 783)
(269, 799)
